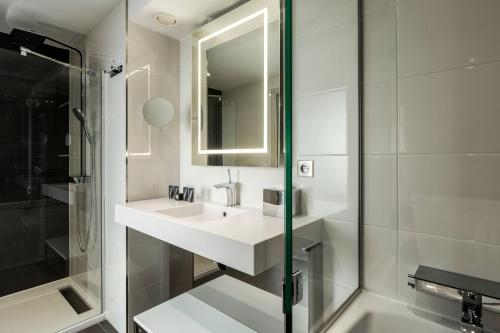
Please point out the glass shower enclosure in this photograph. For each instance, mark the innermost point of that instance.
(321, 71)
(50, 177)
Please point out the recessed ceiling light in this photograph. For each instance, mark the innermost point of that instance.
(166, 19)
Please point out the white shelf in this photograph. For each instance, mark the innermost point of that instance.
(221, 305)
(60, 245)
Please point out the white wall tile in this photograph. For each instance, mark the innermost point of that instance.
(340, 251)
(326, 123)
(380, 260)
(321, 14)
(340, 263)
(326, 59)
(370, 6)
(437, 35)
(380, 190)
(380, 117)
(458, 110)
(333, 191)
(457, 196)
(380, 57)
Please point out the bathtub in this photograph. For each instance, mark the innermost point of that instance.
(371, 313)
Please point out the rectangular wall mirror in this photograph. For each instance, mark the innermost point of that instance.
(236, 114)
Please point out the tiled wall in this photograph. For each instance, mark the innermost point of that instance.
(325, 108)
(153, 153)
(432, 144)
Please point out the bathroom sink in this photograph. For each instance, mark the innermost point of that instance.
(202, 212)
(243, 239)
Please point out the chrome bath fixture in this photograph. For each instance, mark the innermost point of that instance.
(470, 291)
(84, 235)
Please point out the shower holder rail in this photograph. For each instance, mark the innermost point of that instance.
(470, 291)
(114, 70)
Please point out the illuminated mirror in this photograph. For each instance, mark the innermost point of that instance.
(236, 99)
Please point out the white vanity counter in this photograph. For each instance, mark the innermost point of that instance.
(244, 239)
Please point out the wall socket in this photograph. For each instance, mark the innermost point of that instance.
(305, 168)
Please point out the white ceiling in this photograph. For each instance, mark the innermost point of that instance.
(65, 20)
(191, 14)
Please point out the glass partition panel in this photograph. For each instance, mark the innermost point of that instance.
(323, 166)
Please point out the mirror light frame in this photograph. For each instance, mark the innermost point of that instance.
(263, 150)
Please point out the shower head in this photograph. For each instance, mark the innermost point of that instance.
(33, 41)
(79, 115)
(26, 39)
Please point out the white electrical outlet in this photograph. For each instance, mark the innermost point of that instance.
(305, 168)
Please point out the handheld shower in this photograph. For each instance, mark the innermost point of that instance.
(83, 120)
(83, 240)
(79, 115)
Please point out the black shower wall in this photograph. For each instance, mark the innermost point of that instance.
(33, 154)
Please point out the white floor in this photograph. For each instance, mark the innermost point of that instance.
(43, 309)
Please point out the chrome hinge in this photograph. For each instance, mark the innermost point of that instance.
(297, 288)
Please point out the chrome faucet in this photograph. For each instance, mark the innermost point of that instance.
(231, 190)
(456, 287)
(472, 314)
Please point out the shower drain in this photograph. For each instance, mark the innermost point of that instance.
(76, 302)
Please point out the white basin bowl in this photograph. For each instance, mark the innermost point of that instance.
(371, 313)
(202, 212)
(391, 323)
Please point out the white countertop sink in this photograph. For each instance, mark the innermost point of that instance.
(243, 239)
(202, 212)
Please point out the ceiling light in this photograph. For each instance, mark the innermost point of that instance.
(166, 19)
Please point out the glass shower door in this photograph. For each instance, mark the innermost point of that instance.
(321, 104)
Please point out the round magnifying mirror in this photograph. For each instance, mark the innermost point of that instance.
(158, 112)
